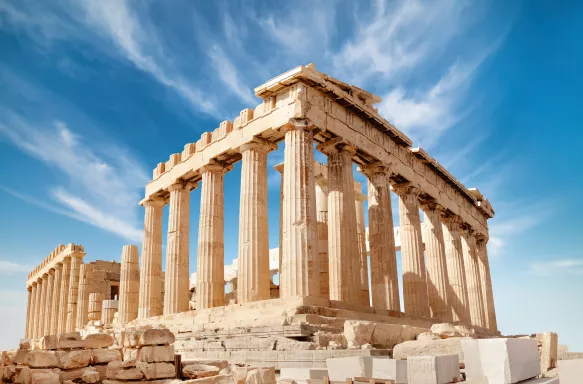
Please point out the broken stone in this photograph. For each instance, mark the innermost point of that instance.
(101, 356)
(156, 353)
(428, 336)
(358, 333)
(465, 331)
(48, 342)
(20, 356)
(74, 359)
(24, 344)
(98, 340)
(42, 359)
(155, 337)
(195, 371)
(129, 374)
(156, 370)
(440, 347)
(218, 379)
(445, 330)
(90, 376)
(45, 377)
(69, 336)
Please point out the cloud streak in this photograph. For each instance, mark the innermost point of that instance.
(558, 267)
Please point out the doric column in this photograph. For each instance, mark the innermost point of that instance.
(383, 259)
(95, 305)
(210, 274)
(279, 168)
(177, 250)
(55, 310)
(412, 259)
(475, 300)
(435, 260)
(486, 280)
(456, 271)
(253, 282)
(42, 306)
(36, 307)
(49, 302)
(363, 256)
(322, 225)
(31, 312)
(28, 309)
(299, 267)
(85, 282)
(129, 284)
(64, 299)
(343, 248)
(150, 298)
(76, 260)
(108, 311)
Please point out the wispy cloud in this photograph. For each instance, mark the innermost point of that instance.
(558, 267)
(230, 77)
(8, 267)
(508, 229)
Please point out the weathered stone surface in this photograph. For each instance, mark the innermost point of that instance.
(445, 330)
(8, 373)
(449, 346)
(71, 344)
(570, 371)
(218, 379)
(155, 337)
(195, 371)
(426, 336)
(358, 333)
(156, 370)
(90, 376)
(48, 342)
(69, 336)
(549, 350)
(98, 340)
(220, 364)
(45, 377)
(42, 359)
(101, 356)
(24, 344)
(20, 356)
(433, 369)
(156, 353)
(129, 374)
(71, 374)
(303, 374)
(261, 376)
(74, 359)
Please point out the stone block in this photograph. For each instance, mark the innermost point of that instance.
(8, 373)
(549, 351)
(218, 379)
(74, 359)
(389, 369)
(445, 330)
(196, 371)
(71, 344)
(48, 342)
(25, 344)
(90, 376)
(358, 333)
(570, 371)
(261, 376)
(42, 359)
(71, 374)
(155, 337)
(442, 347)
(342, 368)
(102, 356)
(156, 353)
(503, 361)
(69, 336)
(433, 369)
(220, 364)
(301, 375)
(20, 356)
(156, 370)
(44, 377)
(98, 340)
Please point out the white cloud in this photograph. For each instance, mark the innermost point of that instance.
(503, 230)
(558, 267)
(8, 267)
(230, 77)
(104, 185)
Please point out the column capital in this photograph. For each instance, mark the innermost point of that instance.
(292, 124)
(376, 168)
(258, 144)
(481, 238)
(337, 144)
(51, 271)
(215, 167)
(153, 202)
(406, 189)
(180, 184)
(466, 230)
(432, 206)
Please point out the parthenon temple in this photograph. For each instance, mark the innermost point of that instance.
(327, 251)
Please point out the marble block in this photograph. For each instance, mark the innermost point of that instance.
(570, 371)
(389, 369)
(433, 369)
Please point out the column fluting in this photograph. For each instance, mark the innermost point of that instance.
(436, 263)
(150, 296)
(383, 258)
(279, 168)
(413, 261)
(456, 270)
(475, 300)
(299, 267)
(42, 306)
(253, 282)
(64, 299)
(363, 255)
(33, 313)
(486, 280)
(343, 248)
(129, 284)
(322, 226)
(49, 302)
(76, 262)
(176, 281)
(210, 274)
(28, 312)
(36, 315)
(85, 284)
(54, 329)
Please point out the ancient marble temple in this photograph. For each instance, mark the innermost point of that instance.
(323, 250)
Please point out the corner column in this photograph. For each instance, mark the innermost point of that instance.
(279, 168)
(486, 280)
(36, 309)
(383, 257)
(85, 282)
(54, 329)
(253, 281)
(210, 287)
(129, 284)
(42, 306)
(30, 312)
(64, 300)
(363, 256)
(322, 226)
(413, 261)
(343, 247)
(437, 279)
(176, 282)
(49, 302)
(475, 299)
(76, 261)
(150, 296)
(299, 266)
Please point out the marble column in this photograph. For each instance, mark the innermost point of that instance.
(36, 309)
(322, 225)
(76, 262)
(95, 305)
(176, 281)
(108, 310)
(85, 284)
(210, 274)
(42, 306)
(64, 299)
(343, 248)
(299, 267)
(33, 299)
(436, 263)
(486, 280)
(129, 284)
(49, 302)
(475, 300)
(55, 310)
(456, 271)
(413, 261)
(363, 254)
(28, 312)
(150, 296)
(253, 282)
(279, 168)
(383, 259)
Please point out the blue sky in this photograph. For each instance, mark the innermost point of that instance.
(95, 93)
